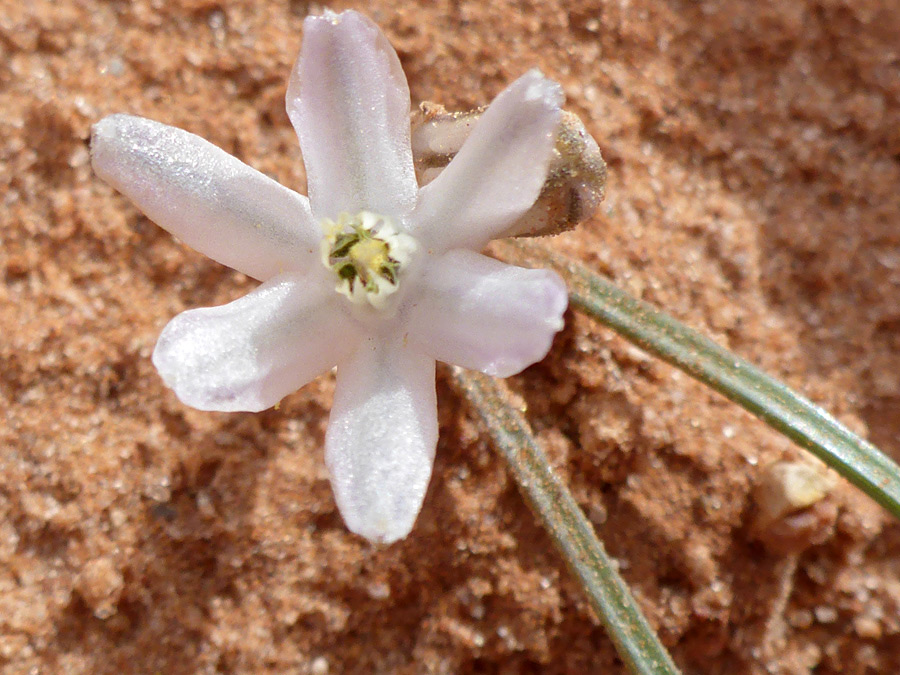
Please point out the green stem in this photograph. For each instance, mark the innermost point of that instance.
(808, 425)
(570, 530)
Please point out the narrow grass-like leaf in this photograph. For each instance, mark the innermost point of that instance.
(777, 405)
(551, 501)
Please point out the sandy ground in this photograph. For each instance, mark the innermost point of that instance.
(754, 153)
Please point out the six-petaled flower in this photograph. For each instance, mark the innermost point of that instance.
(371, 273)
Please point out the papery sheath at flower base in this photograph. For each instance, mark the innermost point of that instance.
(371, 273)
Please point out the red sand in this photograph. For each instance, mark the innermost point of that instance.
(754, 153)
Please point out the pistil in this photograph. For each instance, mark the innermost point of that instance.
(367, 254)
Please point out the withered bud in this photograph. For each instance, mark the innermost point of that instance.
(576, 177)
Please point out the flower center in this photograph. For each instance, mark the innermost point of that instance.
(367, 255)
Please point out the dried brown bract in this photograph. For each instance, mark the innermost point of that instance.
(794, 508)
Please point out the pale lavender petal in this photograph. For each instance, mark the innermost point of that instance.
(381, 438)
(479, 313)
(210, 200)
(250, 353)
(349, 103)
(497, 174)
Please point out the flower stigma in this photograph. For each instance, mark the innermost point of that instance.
(367, 255)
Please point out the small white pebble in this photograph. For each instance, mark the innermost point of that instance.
(378, 590)
(825, 614)
(319, 666)
(786, 487)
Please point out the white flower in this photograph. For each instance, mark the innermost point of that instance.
(370, 273)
